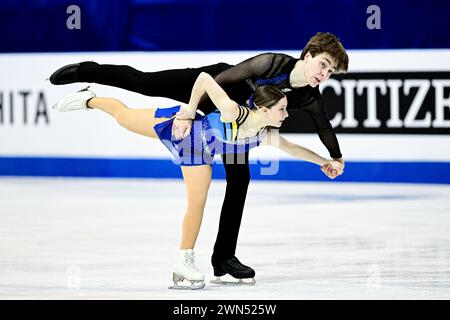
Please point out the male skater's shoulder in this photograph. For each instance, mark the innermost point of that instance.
(277, 63)
(261, 66)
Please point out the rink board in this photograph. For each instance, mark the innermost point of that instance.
(37, 141)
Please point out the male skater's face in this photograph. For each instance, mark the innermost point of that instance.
(319, 68)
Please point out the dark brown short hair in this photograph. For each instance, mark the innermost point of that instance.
(329, 43)
(267, 96)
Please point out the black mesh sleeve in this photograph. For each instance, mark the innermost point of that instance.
(252, 67)
(323, 126)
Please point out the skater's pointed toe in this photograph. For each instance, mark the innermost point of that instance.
(72, 73)
(75, 101)
(65, 75)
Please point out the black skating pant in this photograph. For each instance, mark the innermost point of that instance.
(177, 85)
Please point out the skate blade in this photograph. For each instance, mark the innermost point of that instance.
(192, 286)
(236, 282)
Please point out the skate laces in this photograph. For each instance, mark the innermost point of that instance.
(237, 264)
(190, 261)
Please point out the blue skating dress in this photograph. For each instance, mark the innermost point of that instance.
(209, 136)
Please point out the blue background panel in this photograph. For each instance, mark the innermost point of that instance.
(152, 25)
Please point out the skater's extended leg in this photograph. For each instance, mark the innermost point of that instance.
(159, 83)
(197, 180)
(140, 121)
(175, 84)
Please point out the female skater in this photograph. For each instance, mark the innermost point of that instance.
(231, 129)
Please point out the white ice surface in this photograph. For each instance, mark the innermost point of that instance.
(117, 239)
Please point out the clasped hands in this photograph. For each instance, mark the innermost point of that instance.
(333, 168)
(182, 123)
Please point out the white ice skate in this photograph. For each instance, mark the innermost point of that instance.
(185, 269)
(75, 101)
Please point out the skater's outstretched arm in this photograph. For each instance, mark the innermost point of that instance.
(228, 108)
(330, 167)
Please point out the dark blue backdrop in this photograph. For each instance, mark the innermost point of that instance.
(38, 25)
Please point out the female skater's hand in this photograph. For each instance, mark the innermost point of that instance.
(181, 128)
(333, 168)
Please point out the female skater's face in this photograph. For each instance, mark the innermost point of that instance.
(319, 68)
(278, 113)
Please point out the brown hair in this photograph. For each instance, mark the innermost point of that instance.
(329, 43)
(267, 96)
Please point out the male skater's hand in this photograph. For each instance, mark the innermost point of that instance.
(181, 128)
(341, 168)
